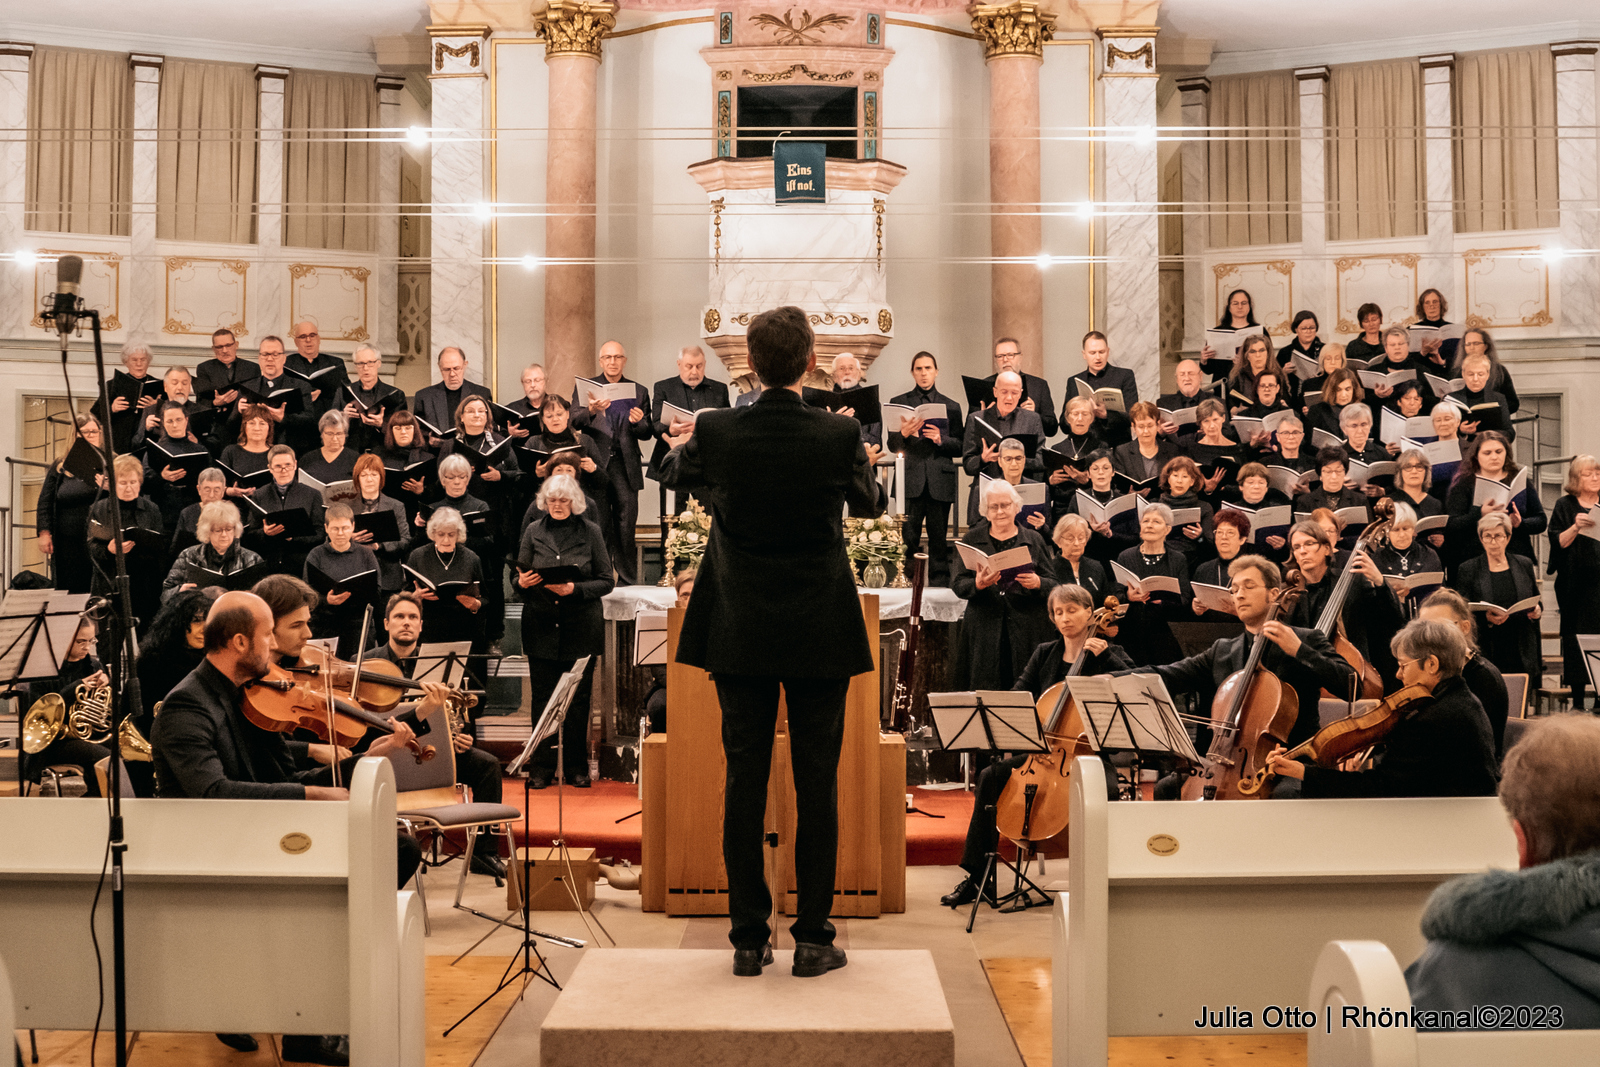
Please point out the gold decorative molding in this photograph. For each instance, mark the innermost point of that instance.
(885, 320)
(797, 68)
(712, 321)
(1345, 264)
(358, 276)
(1284, 267)
(716, 235)
(1019, 28)
(807, 31)
(1522, 254)
(470, 51)
(575, 27)
(843, 318)
(177, 321)
(111, 319)
(877, 226)
(1144, 55)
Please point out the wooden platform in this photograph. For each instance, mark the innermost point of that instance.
(686, 1009)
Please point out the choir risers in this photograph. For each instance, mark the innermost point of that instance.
(686, 1009)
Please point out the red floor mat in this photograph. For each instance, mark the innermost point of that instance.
(591, 816)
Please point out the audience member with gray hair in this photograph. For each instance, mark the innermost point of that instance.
(1527, 938)
(1441, 747)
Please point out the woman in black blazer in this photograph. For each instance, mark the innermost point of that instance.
(1489, 456)
(1575, 561)
(1141, 460)
(63, 517)
(1074, 566)
(1511, 642)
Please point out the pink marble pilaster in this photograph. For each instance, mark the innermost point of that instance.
(569, 296)
(1015, 236)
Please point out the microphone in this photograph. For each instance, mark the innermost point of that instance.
(64, 306)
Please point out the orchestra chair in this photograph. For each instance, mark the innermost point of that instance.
(102, 773)
(1177, 905)
(1517, 695)
(1516, 730)
(1366, 974)
(243, 917)
(430, 801)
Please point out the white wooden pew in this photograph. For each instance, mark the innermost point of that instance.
(242, 917)
(1174, 905)
(1366, 974)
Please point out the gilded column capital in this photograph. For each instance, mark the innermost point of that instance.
(575, 27)
(1019, 28)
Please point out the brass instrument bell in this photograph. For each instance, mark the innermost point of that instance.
(44, 723)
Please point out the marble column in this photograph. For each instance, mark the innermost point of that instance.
(388, 244)
(1194, 157)
(1131, 198)
(145, 290)
(1311, 275)
(267, 293)
(1439, 265)
(458, 72)
(1578, 174)
(16, 289)
(572, 31)
(1013, 50)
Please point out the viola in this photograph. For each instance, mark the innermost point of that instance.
(1337, 741)
(1033, 806)
(1331, 621)
(280, 702)
(1252, 712)
(376, 684)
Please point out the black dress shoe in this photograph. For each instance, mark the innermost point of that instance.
(966, 893)
(240, 1042)
(539, 780)
(747, 962)
(580, 781)
(813, 960)
(489, 864)
(332, 1050)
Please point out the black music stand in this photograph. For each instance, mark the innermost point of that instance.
(1132, 713)
(993, 721)
(37, 627)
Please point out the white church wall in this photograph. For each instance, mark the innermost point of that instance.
(519, 116)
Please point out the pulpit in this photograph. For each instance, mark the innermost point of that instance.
(683, 773)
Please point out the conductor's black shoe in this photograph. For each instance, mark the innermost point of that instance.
(331, 1050)
(811, 961)
(747, 962)
(488, 863)
(539, 779)
(580, 781)
(966, 893)
(239, 1042)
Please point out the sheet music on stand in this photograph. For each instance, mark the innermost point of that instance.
(1589, 645)
(650, 639)
(36, 631)
(997, 720)
(442, 661)
(1132, 713)
(555, 710)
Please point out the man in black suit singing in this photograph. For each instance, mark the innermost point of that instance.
(930, 454)
(436, 404)
(626, 424)
(775, 605)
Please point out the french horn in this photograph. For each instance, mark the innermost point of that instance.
(89, 718)
(43, 723)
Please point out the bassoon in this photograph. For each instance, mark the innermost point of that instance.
(900, 719)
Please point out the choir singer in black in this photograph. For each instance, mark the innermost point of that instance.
(777, 476)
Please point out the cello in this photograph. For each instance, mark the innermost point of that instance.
(1331, 622)
(1251, 712)
(1033, 806)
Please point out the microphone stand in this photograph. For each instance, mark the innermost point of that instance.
(121, 653)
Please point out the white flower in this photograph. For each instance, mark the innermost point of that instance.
(875, 536)
(692, 537)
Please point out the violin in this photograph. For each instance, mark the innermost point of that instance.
(1252, 712)
(278, 701)
(1033, 807)
(376, 684)
(1337, 741)
(1331, 621)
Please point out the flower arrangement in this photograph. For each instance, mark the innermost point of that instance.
(686, 539)
(874, 543)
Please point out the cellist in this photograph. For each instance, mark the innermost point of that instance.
(1301, 657)
(1071, 607)
(1441, 747)
(1371, 612)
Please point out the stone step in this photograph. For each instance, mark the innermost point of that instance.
(684, 1008)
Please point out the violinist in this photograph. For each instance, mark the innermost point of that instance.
(1371, 612)
(1481, 676)
(1301, 657)
(476, 768)
(1071, 608)
(206, 748)
(1441, 747)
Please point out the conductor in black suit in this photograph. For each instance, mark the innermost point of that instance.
(775, 605)
(930, 468)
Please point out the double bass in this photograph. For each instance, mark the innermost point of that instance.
(1331, 622)
(1033, 806)
(1252, 712)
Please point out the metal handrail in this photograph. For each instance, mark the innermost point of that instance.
(1548, 462)
(15, 462)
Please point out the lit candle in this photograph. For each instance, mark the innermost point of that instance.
(900, 484)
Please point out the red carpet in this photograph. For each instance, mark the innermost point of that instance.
(591, 821)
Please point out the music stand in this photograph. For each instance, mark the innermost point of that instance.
(1132, 713)
(37, 627)
(555, 712)
(993, 721)
(1589, 645)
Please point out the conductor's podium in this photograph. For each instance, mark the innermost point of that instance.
(682, 777)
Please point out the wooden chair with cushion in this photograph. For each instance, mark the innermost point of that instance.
(429, 800)
(1516, 696)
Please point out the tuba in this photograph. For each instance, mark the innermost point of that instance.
(89, 718)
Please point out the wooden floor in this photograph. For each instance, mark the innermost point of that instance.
(451, 992)
(1022, 987)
